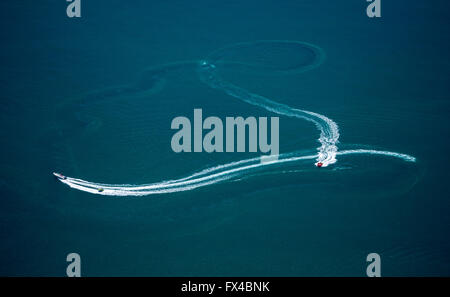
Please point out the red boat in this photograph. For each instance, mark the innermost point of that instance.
(320, 164)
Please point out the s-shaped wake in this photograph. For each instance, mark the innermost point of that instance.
(208, 73)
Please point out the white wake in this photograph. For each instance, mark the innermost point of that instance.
(326, 152)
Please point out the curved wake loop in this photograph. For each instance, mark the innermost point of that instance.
(207, 70)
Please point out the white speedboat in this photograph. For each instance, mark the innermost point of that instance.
(59, 175)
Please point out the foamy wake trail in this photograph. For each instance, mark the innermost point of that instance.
(213, 175)
(326, 152)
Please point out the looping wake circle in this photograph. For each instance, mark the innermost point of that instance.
(250, 60)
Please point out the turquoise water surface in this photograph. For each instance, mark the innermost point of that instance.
(94, 97)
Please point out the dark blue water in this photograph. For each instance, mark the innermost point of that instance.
(82, 97)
